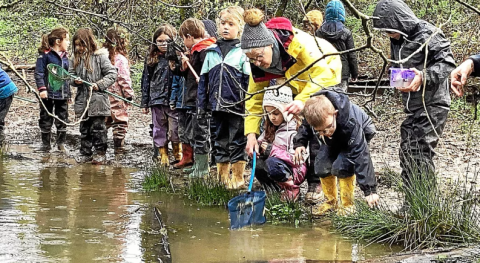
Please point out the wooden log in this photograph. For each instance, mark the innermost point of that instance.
(166, 255)
(19, 67)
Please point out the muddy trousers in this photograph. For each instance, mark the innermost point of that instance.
(119, 128)
(93, 133)
(165, 125)
(201, 134)
(59, 108)
(4, 108)
(185, 126)
(230, 140)
(329, 161)
(418, 141)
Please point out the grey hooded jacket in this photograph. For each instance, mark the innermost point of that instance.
(395, 15)
(103, 74)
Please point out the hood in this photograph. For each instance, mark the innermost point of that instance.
(101, 51)
(330, 30)
(203, 44)
(335, 11)
(394, 15)
(281, 23)
(291, 125)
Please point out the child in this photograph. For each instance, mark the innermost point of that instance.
(53, 50)
(116, 42)
(157, 81)
(195, 131)
(92, 65)
(276, 143)
(343, 130)
(7, 89)
(223, 83)
(334, 31)
(312, 21)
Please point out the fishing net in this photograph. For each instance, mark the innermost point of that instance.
(57, 76)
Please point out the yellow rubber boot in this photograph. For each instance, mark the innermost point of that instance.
(329, 187)
(163, 156)
(347, 190)
(237, 174)
(223, 173)
(177, 151)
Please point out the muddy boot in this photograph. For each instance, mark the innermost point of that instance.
(118, 146)
(155, 154)
(99, 158)
(163, 156)
(237, 174)
(223, 174)
(201, 167)
(2, 138)
(61, 139)
(187, 157)
(329, 186)
(46, 136)
(314, 193)
(177, 152)
(84, 158)
(291, 192)
(347, 190)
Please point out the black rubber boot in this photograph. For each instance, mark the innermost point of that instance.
(61, 139)
(46, 137)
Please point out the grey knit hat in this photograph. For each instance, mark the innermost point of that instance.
(279, 99)
(256, 36)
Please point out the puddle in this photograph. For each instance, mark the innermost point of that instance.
(88, 213)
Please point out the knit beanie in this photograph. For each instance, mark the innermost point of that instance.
(255, 33)
(211, 28)
(335, 11)
(278, 98)
(315, 17)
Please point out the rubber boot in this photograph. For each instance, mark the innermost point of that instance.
(61, 139)
(163, 156)
(223, 174)
(314, 193)
(99, 158)
(291, 192)
(237, 174)
(201, 167)
(347, 190)
(118, 146)
(177, 152)
(187, 157)
(46, 136)
(329, 187)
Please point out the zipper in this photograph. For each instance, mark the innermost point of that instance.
(221, 80)
(401, 67)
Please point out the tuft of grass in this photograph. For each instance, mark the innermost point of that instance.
(158, 178)
(432, 218)
(278, 211)
(209, 191)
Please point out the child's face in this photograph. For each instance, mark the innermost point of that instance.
(64, 43)
(393, 35)
(188, 41)
(274, 115)
(79, 47)
(329, 126)
(228, 28)
(261, 57)
(162, 42)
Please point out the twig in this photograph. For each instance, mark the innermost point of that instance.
(471, 7)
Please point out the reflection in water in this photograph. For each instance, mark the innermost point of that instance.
(91, 213)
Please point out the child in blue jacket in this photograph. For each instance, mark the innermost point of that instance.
(7, 89)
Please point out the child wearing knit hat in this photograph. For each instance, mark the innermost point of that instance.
(276, 159)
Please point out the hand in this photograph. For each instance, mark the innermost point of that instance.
(78, 81)
(417, 82)
(299, 152)
(145, 110)
(372, 200)
(252, 144)
(459, 76)
(294, 107)
(264, 146)
(185, 60)
(44, 94)
(95, 87)
(172, 106)
(171, 64)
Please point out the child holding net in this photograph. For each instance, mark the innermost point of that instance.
(54, 93)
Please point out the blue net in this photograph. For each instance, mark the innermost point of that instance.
(247, 209)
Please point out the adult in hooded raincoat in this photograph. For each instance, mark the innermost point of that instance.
(426, 108)
(277, 50)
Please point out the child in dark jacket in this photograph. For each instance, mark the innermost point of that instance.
(7, 91)
(343, 131)
(334, 31)
(222, 87)
(53, 50)
(157, 82)
(92, 65)
(276, 162)
(194, 133)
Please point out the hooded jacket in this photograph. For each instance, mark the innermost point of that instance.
(156, 83)
(476, 65)
(395, 15)
(103, 74)
(122, 87)
(7, 87)
(352, 135)
(41, 74)
(298, 50)
(282, 148)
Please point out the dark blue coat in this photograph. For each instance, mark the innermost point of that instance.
(177, 98)
(157, 82)
(41, 74)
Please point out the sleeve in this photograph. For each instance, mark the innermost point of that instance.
(441, 61)
(476, 65)
(109, 73)
(253, 106)
(359, 156)
(40, 71)
(123, 79)
(176, 86)
(145, 85)
(303, 136)
(202, 91)
(72, 71)
(352, 56)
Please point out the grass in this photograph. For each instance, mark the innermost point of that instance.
(158, 178)
(435, 217)
(209, 191)
(278, 211)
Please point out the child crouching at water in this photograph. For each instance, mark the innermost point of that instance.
(275, 164)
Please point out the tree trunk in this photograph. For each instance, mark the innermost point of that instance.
(281, 8)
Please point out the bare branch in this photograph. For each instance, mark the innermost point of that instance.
(471, 7)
